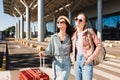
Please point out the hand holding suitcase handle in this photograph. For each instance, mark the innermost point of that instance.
(41, 54)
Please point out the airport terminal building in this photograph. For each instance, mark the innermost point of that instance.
(34, 16)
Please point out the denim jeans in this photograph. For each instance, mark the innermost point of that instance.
(82, 72)
(61, 68)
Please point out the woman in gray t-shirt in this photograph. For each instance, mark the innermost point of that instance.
(60, 47)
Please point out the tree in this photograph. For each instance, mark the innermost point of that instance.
(9, 32)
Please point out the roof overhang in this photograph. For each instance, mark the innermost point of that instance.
(51, 7)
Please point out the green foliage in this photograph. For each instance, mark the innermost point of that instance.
(9, 30)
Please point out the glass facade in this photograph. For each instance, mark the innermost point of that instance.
(110, 27)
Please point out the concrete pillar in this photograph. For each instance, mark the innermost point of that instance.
(27, 23)
(40, 20)
(21, 27)
(69, 15)
(18, 29)
(33, 30)
(16, 26)
(45, 29)
(27, 19)
(99, 16)
(54, 23)
(30, 32)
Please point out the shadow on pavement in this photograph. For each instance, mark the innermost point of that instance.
(22, 60)
(1, 58)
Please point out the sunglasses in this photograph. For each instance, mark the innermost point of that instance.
(76, 19)
(61, 22)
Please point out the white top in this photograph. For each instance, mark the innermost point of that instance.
(79, 43)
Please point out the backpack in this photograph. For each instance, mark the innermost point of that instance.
(100, 57)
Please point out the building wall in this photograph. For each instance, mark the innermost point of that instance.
(109, 7)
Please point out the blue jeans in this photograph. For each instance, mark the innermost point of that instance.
(61, 68)
(82, 72)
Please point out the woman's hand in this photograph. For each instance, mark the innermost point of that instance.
(41, 53)
(73, 59)
(88, 61)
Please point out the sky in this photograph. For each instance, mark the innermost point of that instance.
(5, 19)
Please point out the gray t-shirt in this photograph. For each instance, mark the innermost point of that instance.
(56, 48)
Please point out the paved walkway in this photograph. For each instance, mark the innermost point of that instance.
(23, 56)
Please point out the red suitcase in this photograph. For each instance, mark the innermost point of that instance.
(33, 74)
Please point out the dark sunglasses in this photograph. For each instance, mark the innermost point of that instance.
(76, 19)
(61, 22)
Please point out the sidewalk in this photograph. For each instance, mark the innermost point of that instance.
(20, 54)
(5, 75)
(114, 51)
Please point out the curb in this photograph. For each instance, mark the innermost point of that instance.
(112, 56)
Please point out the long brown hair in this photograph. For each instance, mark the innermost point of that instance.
(69, 30)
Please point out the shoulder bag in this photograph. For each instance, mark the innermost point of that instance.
(100, 57)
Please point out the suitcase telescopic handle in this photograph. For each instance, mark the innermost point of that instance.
(42, 58)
